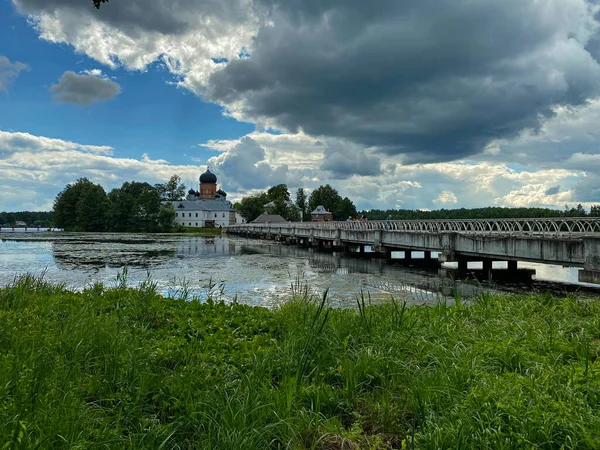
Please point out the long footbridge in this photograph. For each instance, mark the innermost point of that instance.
(567, 241)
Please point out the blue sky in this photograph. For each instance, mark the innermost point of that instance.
(467, 114)
(148, 116)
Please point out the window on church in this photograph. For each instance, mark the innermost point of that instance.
(190, 215)
(196, 223)
(190, 224)
(176, 214)
(215, 214)
(223, 214)
(196, 214)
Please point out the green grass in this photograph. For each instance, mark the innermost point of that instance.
(201, 231)
(125, 368)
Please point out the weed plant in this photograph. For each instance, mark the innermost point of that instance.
(115, 367)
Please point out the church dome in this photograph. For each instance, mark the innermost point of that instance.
(192, 192)
(208, 177)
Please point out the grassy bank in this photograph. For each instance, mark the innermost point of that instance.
(202, 231)
(125, 368)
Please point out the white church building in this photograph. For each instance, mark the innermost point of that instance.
(205, 208)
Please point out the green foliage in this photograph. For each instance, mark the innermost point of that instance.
(172, 190)
(37, 218)
(91, 208)
(81, 207)
(275, 201)
(125, 368)
(97, 3)
(301, 203)
(166, 217)
(287, 210)
(133, 207)
(252, 206)
(279, 192)
(331, 200)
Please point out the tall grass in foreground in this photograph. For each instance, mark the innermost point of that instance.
(125, 368)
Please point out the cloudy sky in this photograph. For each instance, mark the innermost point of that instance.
(397, 104)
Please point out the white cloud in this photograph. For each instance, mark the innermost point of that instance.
(244, 167)
(45, 165)
(534, 195)
(34, 169)
(299, 150)
(446, 197)
(15, 142)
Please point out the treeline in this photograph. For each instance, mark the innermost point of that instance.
(31, 218)
(277, 200)
(490, 212)
(135, 206)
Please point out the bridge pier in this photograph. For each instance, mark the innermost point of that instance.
(487, 269)
(591, 265)
(386, 252)
(462, 267)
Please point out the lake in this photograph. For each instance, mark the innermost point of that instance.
(251, 271)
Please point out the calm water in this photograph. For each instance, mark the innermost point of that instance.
(255, 272)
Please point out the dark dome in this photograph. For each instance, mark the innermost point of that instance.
(208, 177)
(192, 192)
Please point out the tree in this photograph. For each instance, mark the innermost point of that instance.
(172, 190)
(279, 192)
(91, 208)
(578, 211)
(133, 207)
(327, 196)
(301, 203)
(285, 209)
(253, 206)
(75, 207)
(344, 209)
(323, 195)
(166, 217)
(98, 2)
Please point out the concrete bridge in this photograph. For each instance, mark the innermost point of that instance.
(564, 241)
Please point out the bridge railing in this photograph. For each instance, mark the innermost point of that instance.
(545, 227)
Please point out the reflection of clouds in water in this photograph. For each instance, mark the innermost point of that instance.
(254, 272)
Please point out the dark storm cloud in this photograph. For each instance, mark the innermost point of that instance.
(433, 80)
(9, 71)
(83, 89)
(588, 189)
(343, 160)
(163, 16)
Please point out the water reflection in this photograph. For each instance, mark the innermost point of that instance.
(256, 272)
(87, 254)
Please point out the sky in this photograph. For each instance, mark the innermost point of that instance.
(396, 104)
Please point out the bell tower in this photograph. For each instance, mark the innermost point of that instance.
(208, 185)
